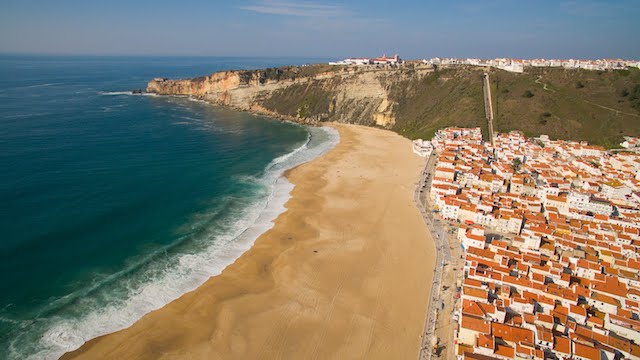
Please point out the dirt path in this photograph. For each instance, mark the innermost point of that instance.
(611, 109)
(544, 85)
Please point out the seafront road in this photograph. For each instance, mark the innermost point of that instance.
(443, 256)
(448, 269)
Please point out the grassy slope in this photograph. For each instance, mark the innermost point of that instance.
(577, 105)
(448, 97)
(574, 105)
(290, 72)
(304, 100)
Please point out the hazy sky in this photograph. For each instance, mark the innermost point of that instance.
(414, 29)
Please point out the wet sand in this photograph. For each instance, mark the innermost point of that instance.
(344, 273)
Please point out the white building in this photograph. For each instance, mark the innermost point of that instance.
(386, 60)
(515, 66)
(352, 61)
(422, 147)
(472, 237)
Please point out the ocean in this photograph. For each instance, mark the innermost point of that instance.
(114, 204)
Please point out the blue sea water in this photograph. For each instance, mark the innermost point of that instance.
(113, 204)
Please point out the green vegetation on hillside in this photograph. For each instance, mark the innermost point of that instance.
(447, 97)
(596, 106)
(633, 96)
(281, 73)
(288, 72)
(568, 104)
(300, 100)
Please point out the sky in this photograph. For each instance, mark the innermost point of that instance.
(326, 29)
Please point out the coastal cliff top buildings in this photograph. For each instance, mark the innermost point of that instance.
(518, 65)
(630, 143)
(383, 60)
(507, 64)
(551, 231)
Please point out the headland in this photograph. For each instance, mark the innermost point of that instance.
(416, 99)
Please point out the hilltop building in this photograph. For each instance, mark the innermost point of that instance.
(383, 60)
(518, 65)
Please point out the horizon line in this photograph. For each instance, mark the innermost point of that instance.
(43, 54)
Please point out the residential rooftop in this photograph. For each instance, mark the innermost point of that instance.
(551, 230)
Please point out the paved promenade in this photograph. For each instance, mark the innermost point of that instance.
(443, 256)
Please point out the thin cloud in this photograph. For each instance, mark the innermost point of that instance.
(595, 9)
(299, 9)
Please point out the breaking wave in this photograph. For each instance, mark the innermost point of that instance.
(221, 235)
(131, 93)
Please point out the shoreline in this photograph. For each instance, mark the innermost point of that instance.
(257, 218)
(298, 290)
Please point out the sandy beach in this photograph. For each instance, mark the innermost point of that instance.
(344, 273)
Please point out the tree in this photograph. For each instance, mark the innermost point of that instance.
(516, 164)
(579, 84)
(528, 94)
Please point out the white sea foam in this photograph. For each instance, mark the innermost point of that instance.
(131, 93)
(19, 116)
(191, 119)
(190, 270)
(281, 159)
(115, 93)
(191, 98)
(37, 86)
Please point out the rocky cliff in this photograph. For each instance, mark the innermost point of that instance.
(355, 95)
(415, 100)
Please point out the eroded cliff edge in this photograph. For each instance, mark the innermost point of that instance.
(304, 95)
(415, 100)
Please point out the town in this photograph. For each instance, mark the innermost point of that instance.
(518, 65)
(549, 232)
(507, 64)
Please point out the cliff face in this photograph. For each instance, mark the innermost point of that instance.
(211, 86)
(416, 100)
(341, 94)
